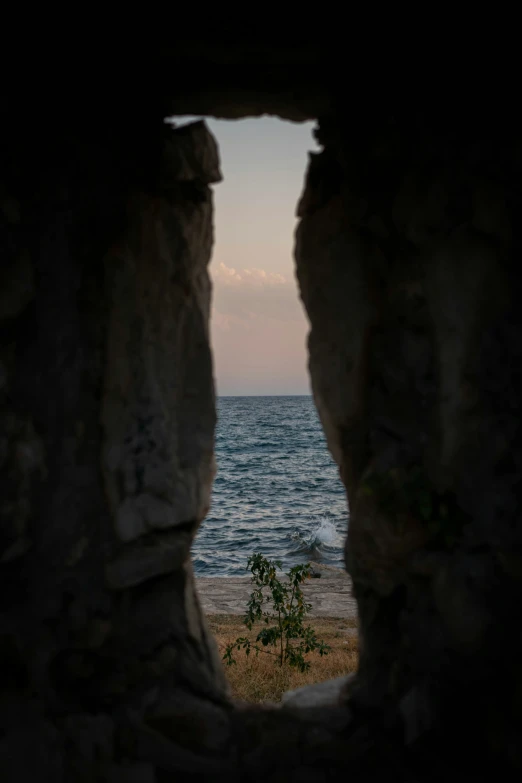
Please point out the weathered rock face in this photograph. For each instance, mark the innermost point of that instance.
(158, 409)
(406, 257)
(107, 430)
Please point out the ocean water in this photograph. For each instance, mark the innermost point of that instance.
(277, 488)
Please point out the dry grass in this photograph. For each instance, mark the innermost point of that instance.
(261, 679)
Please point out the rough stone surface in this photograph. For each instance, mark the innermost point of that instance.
(158, 407)
(322, 694)
(407, 256)
(148, 558)
(106, 446)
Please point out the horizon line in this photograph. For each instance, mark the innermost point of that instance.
(265, 395)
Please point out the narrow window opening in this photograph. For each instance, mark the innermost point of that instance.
(277, 490)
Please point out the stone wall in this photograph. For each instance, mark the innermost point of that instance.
(107, 432)
(406, 256)
(407, 252)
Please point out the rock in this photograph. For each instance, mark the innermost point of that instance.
(17, 549)
(158, 410)
(322, 570)
(321, 694)
(30, 753)
(143, 513)
(91, 736)
(191, 153)
(131, 772)
(130, 523)
(408, 255)
(17, 286)
(146, 559)
(178, 713)
(154, 747)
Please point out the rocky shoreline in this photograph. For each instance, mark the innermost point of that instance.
(329, 592)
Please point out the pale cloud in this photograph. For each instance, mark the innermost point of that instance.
(243, 294)
(258, 323)
(225, 322)
(258, 332)
(227, 275)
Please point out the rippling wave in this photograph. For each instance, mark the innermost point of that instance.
(277, 489)
(322, 543)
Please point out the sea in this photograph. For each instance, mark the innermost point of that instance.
(277, 489)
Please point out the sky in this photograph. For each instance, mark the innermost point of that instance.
(258, 324)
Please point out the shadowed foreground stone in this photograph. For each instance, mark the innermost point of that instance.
(107, 431)
(322, 694)
(408, 252)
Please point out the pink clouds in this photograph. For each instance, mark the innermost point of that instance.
(258, 332)
(258, 324)
(254, 277)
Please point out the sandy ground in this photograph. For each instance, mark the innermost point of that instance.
(330, 594)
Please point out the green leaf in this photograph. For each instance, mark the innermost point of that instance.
(282, 620)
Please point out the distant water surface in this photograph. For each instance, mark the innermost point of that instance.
(277, 489)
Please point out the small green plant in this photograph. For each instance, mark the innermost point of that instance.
(280, 605)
